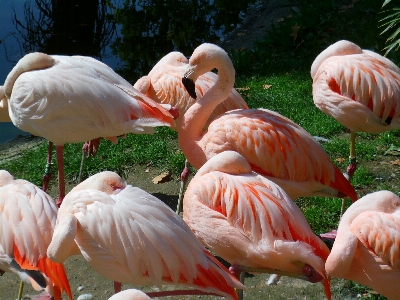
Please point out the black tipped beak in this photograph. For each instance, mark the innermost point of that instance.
(190, 87)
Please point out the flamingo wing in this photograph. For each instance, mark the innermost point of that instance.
(379, 232)
(141, 240)
(249, 209)
(86, 98)
(27, 218)
(278, 148)
(364, 85)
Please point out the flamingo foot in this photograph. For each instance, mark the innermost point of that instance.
(91, 147)
(117, 287)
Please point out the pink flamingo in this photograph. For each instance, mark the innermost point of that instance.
(358, 88)
(274, 146)
(366, 248)
(71, 99)
(164, 85)
(27, 217)
(130, 236)
(251, 222)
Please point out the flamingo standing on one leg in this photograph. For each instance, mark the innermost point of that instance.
(71, 99)
(367, 247)
(130, 236)
(359, 88)
(27, 217)
(251, 222)
(275, 147)
(164, 85)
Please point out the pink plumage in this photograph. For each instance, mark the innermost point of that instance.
(129, 236)
(28, 217)
(359, 88)
(251, 222)
(367, 244)
(274, 146)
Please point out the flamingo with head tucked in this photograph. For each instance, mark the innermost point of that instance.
(358, 88)
(164, 85)
(251, 222)
(274, 146)
(28, 217)
(71, 99)
(367, 248)
(130, 236)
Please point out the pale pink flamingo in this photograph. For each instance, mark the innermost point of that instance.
(358, 88)
(251, 222)
(130, 236)
(367, 248)
(131, 294)
(27, 217)
(71, 99)
(164, 85)
(275, 146)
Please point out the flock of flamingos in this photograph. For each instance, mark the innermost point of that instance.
(252, 165)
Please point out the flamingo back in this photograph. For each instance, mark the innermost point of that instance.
(365, 86)
(82, 98)
(27, 217)
(278, 148)
(379, 232)
(141, 240)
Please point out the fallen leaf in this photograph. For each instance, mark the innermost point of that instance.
(266, 86)
(163, 177)
(396, 162)
(147, 170)
(295, 30)
(340, 159)
(241, 33)
(243, 89)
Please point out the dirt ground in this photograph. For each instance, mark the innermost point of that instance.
(84, 280)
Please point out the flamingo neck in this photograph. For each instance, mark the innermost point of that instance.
(190, 130)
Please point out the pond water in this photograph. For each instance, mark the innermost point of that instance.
(129, 36)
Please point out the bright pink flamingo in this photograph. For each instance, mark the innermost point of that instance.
(367, 247)
(274, 146)
(71, 99)
(251, 222)
(164, 85)
(359, 88)
(129, 236)
(27, 217)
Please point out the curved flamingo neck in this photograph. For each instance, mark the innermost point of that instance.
(190, 131)
(31, 61)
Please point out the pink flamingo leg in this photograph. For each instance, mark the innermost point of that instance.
(47, 172)
(61, 174)
(184, 178)
(117, 287)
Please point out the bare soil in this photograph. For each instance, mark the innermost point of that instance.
(84, 280)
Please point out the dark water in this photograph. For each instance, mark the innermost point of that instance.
(129, 36)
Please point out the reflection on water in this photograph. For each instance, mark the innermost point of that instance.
(130, 36)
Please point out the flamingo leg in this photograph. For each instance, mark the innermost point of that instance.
(184, 178)
(84, 155)
(351, 167)
(47, 172)
(61, 174)
(117, 287)
(21, 288)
